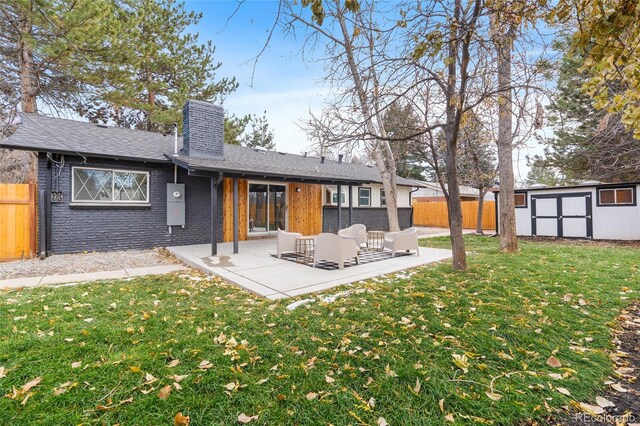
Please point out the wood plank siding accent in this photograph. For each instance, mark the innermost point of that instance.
(227, 205)
(17, 221)
(305, 208)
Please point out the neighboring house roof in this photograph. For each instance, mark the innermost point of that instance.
(46, 134)
(465, 191)
(588, 184)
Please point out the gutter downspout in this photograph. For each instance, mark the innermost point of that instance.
(411, 204)
(175, 154)
(45, 223)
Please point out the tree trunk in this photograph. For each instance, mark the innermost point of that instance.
(388, 183)
(28, 88)
(454, 207)
(508, 239)
(481, 193)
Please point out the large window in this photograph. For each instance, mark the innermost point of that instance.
(267, 207)
(364, 197)
(91, 185)
(616, 196)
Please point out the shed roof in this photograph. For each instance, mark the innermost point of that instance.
(47, 134)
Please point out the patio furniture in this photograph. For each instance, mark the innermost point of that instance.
(402, 240)
(304, 248)
(375, 240)
(334, 248)
(357, 233)
(286, 241)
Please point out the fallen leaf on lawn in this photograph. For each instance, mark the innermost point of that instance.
(243, 418)
(261, 381)
(329, 379)
(582, 302)
(389, 372)
(30, 385)
(449, 417)
(381, 422)
(134, 368)
(177, 378)
(164, 392)
(3, 372)
(371, 403)
(230, 386)
(76, 364)
(564, 391)
(418, 386)
(64, 387)
(604, 402)
(441, 405)
(311, 396)
(618, 387)
(173, 363)
(181, 420)
(592, 410)
(555, 376)
(205, 365)
(567, 297)
(494, 396)
(552, 361)
(461, 362)
(149, 378)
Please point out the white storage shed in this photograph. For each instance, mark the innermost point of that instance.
(593, 210)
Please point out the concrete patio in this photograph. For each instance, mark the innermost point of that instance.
(255, 269)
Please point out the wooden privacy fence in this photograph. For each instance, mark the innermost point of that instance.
(434, 213)
(17, 221)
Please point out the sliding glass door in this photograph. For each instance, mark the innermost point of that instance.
(267, 207)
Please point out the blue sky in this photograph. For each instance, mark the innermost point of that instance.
(283, 84)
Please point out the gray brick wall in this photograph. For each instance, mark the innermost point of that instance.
(76, 229)
(374, 218)
(203, 129)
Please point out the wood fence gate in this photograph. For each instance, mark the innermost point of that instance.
(18, 223)
(434, 213)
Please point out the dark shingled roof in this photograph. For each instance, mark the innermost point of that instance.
(41, 133)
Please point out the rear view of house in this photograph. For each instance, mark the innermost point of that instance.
(104, 188)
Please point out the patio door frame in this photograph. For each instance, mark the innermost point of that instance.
(286, 205)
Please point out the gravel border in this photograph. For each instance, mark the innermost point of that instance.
(62, 264)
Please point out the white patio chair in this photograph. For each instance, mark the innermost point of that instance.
(333, 248)
(286, 241)
(402, 240)
(356, 232)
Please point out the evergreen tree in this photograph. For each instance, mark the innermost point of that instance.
(154, 67)
(401, 124)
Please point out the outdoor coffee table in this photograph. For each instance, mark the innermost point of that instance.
(375, 240)
(304, 249)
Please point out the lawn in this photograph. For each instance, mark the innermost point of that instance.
(437, 345)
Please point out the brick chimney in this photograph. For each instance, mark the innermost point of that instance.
(203, 129)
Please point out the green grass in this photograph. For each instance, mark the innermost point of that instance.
(506, 315)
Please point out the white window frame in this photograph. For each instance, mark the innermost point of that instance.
(112, 201)
(343, 198)
(615, 196)
(360, 188)
(383, 198)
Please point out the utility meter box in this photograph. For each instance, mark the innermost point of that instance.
(175, 204)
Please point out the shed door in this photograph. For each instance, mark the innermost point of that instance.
(562, 215)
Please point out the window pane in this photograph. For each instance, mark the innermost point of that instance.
(520, 200)
(130, 186)
(257, 208)
(364, 196)
(624, 196)
(607, 196)
(383, 198)
(92, 185)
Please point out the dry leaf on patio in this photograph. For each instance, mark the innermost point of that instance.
(243, 418)
(381, 422)
(494, 396)
(552, 361)
(164, 392)
(181, 420)
(311, 396)
(604, 402)
(564, 391)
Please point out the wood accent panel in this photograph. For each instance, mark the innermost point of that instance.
(227, 206)
(17, 221)
(305, 208)
(435, 213)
